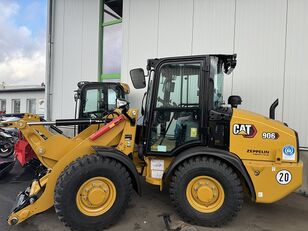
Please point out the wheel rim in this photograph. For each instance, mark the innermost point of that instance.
(96, 196)
(205, 194)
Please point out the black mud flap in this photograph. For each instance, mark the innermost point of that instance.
(6, 167)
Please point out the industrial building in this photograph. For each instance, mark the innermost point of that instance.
(20, 99)
(102, 40)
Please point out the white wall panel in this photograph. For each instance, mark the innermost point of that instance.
(296, 79)
(57, 61)
(75, 51)
(175, 28)
(260, 44)
(72, 54)
(90, 40)
(140, 40)
(213, 30)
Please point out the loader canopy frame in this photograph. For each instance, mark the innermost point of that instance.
(105, 94)
(181, 93)
(97, 99)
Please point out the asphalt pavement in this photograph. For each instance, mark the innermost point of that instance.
(146, 212)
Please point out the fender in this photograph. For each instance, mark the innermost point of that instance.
(113, 153)
(228, 157)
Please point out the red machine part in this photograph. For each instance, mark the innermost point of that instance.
(23, 150)
(107, 127)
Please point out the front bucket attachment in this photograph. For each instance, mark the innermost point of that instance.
(5, 167)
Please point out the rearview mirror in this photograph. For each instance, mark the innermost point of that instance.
(138, 78)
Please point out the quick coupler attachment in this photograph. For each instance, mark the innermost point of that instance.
(25, 202)
(23, 199)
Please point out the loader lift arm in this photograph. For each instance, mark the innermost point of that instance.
(55, 157)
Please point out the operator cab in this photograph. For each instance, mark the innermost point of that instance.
(184, 104)
(97, 99)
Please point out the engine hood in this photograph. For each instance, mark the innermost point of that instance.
(254, 136)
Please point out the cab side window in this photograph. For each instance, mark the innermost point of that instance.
(112, 99)
(93, 96)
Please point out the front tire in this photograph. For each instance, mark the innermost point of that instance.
(92, 192)
(206, 191)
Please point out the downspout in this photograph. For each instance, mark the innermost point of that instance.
(100, 40)
(49, 55)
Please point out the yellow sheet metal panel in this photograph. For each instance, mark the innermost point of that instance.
(274, 181)
(256, 137)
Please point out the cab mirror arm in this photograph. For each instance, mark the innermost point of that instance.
(131, 120)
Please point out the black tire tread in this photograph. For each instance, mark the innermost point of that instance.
(216, 163)
(81, 162)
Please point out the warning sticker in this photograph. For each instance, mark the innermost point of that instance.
(288, 152)
(157, 164)
(157, 174)
(193, 132)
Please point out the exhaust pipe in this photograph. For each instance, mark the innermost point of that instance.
(273, 108)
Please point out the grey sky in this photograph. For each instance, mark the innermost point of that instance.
(22, 50)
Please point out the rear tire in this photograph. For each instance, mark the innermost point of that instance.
(74, 183)
(206, 191)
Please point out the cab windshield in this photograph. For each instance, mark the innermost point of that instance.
(217, 75)
(99, 100)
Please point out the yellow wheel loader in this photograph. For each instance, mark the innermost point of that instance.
(207, 154)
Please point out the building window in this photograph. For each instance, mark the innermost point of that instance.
(31, 106)
(112, 40)
(16, 105)
(2, 106)
(41, 106)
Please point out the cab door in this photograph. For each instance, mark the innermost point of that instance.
(177, 117)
